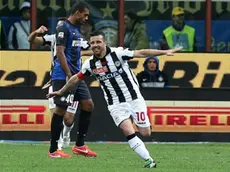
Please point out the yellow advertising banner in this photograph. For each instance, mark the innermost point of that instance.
(195, 70)
(24, 115)
(189, 116)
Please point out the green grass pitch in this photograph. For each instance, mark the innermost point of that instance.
(117, 158)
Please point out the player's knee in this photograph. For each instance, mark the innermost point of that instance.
(145, 133)
(68, 122)
(68, 119)
(59, 111)
(87, 105)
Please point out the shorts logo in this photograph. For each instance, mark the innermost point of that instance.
(160, 78)
(61, 35)
(141, 122)
(63, 99)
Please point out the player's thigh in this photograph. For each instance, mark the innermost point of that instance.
(83, 95)
(139, 115)
(65, 100)
(127, 127)
(120, 112)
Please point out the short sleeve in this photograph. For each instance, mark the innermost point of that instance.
(85, 69)
(48, 39)
(127, 54)
(61, 34)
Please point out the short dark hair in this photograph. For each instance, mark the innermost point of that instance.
(78, 6)
(97, 33)
(62, 19)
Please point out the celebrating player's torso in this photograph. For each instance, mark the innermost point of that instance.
(118, 82)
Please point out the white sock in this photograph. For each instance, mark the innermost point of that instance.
(66, 129)
(139, 147)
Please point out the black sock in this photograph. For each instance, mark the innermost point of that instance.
(129, 137)
(84, 121)
(56, 128)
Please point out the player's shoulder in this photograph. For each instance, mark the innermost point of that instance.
(61, 26)
(87, 61)
(116, 49)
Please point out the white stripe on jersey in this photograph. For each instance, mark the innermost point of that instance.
(51, 41)
(117, 80)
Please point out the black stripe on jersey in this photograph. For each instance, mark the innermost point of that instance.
(114, 83)
(124, 76)
(133, 77)
(92, 67)
(46, 42)
(126, 57)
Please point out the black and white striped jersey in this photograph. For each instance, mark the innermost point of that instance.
(51, 41)
(117, 81)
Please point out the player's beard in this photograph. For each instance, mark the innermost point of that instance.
(97, 51)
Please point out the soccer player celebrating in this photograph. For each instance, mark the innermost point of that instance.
(120, 88)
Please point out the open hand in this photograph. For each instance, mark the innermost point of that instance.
(172, 51)
(53, 94)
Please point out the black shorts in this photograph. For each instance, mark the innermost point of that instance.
(79, 92)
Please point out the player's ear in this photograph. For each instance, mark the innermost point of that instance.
(77, 13)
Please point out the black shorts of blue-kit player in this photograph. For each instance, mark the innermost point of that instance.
(82, 93)
(67, 98)
(57, 119)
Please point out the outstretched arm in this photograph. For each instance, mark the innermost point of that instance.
(152, 52)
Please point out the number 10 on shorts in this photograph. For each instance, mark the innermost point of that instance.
(140, 116)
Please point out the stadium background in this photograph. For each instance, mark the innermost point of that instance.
(195, 109)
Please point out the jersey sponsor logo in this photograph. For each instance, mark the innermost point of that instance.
(76, 43)
(100, 70)
(110, 75)
(80, 43)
